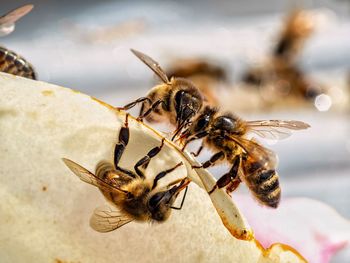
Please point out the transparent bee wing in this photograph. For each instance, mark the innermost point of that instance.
(257, 152)
(275, 129)
(7, 21)
(152, 64)
(292, 125)
(104, 219)
(88, 177)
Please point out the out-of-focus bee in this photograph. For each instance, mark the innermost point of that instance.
(10, 62)
(176, 100)
(206, 76)
(286, 80)
(297, 29)
(281, 71)
(252, 163)
(186, 68)
(133, 195)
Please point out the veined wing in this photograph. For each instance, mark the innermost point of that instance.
(12, 16)
(88, 177)
(104, 219)
(275, 129)
(256, 151)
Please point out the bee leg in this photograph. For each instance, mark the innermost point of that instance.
(211, 161)
(132, 104)
(119, 148)
(230, 179)
(233, 185)
(164, 173)
(195, 154)
(144, 161)
(185, 144)
(195, 137)
(150, 109)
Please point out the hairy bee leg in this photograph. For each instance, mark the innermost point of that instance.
(232, 186)
(216, 157)
(124, 135)
(151, 108)
(132, 104)
(195, 154)
(229, 178)
(144, 161)
(164, 173)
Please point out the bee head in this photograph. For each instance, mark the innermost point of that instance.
(160, 203)
(200, 124)
(188, 100)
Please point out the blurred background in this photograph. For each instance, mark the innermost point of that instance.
(269, 59)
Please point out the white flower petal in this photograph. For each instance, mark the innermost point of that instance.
(45, 209)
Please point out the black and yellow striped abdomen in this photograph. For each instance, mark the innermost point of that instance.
(263, 183)
(14, 64)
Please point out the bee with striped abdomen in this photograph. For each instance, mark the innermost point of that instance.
(134, 196)
(250, 162)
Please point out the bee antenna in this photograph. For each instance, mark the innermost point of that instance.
(182, 201)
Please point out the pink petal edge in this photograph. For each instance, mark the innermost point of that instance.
(311, 227)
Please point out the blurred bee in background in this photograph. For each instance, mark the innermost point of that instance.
(226, 135)
(297, 29)
(281, 71)
(176, 100)
(10, 62)
(205, 75)
(135, 196)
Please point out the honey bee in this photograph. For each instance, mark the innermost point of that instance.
(10, 62)
(133, 195)
(176, 100)
(252, 163)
